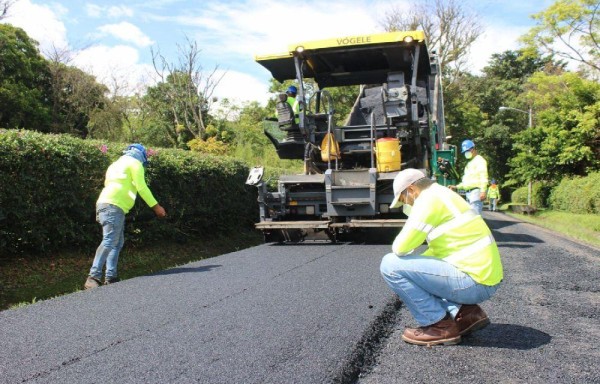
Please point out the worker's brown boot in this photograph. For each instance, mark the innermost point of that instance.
(91, 282)
(471, 318)
(443, 332)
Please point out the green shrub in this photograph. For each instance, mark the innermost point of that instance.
(540, 193)
(49, 185)
(519, 196)
(577, 195)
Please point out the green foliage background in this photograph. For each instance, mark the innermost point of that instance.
(50, 184)
(540, 192)
(577, 195)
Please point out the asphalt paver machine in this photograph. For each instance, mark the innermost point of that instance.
(396, 122)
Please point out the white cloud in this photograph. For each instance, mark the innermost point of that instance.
(117, 11)
(127, 32)
(41, 22)
(497, 38)
(115, 65)
(240, 87)
(228, 33)
(114, 11)
(93, 10)
(269, 26)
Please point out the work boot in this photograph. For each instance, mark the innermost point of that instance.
(471, 318)
(443, 332)
(91, 282)
(111, 280)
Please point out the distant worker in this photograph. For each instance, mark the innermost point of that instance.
(475, 179)
(124, 180)
(493, 193)
(461, 267)
(291, 93)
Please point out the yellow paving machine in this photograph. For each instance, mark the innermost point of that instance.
(396, 122)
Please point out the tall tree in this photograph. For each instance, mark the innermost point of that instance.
(188, 88)
(76, 97)
(24, 82)
(569, 29)
(172, 104)
(449, 27)
(5, 7)
(517, 65)
(565, 137)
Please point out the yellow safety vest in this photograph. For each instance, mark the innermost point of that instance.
(454, 233)
(476, 174)
(124, 180)
(493, 192)
(295, 108)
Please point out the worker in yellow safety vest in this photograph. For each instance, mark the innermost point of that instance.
(475, 179)
(461, 267)
(125, 179)
(493, 193)
(291, 93)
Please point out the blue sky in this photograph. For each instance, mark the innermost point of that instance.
(113, 39)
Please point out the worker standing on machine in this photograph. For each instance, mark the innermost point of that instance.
(291, 93)
(461, 267)
(475, 179)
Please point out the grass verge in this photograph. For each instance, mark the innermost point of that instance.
(27, 279)
(585, 228)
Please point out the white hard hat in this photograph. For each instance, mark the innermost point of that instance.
(403, 179)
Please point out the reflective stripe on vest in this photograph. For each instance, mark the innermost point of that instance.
(471, 249)
(458, 220)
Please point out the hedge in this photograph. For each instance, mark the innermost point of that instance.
(49, 185)
(539, 195)
(577, 195)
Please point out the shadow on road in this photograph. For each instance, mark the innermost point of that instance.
(508, 336)
(510, 240)
(499, 224)
(172, 271)
(515, 240)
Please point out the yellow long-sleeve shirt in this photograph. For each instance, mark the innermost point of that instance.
(454, 233)
(124, 180)
(476, 174)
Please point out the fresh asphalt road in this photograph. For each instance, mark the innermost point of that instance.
(545, 320)
(312, 313)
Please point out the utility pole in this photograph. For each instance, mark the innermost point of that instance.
(529, 126)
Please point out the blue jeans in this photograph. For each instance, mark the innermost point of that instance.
(473, 197)
(112, 219)
(430, 288)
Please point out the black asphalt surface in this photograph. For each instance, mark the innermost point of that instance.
(545, 320)
(312, 313)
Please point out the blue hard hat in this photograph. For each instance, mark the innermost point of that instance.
(466, 145)
(292, 89)
(142, 149)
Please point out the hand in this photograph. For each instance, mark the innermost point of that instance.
(452, 187)
(482, 196)
(159, 211)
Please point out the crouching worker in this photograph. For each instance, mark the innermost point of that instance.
(124, 180)
(461, 267)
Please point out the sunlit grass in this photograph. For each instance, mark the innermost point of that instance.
(585, 228)
(27, 279)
